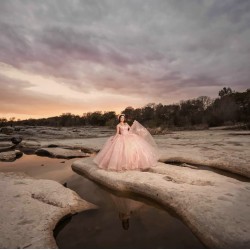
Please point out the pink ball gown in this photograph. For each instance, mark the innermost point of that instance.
(131, 149)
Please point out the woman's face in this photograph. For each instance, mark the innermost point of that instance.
(122, 119)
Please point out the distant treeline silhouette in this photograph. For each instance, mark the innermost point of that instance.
(228, 108)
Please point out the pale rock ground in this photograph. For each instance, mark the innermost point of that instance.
(60, 153)
(31, 208)
(222, 149)
(227, 150)
(30, 143)
(214, 206)
(6, 144)
(59, 132)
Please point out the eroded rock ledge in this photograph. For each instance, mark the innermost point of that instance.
(60, 153)
(31, 208)
(215, 207)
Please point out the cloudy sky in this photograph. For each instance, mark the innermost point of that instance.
(76, 56)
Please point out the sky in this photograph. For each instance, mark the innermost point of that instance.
(79, 56)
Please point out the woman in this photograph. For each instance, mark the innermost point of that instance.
(131, 148)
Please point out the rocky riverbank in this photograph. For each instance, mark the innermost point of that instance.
(202, 175)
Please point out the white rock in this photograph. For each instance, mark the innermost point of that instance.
(6, 145)
(217, 149)
(221, 149)
(60, 152)
(30, 144)
(31, 208)
(214, 206)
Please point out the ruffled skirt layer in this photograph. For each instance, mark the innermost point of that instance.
(126, 152)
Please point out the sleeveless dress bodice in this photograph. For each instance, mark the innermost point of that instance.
(123, 129)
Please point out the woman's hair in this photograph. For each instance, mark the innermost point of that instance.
(121, 116)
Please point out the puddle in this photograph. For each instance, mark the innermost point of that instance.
(119, 222)
(40, 167)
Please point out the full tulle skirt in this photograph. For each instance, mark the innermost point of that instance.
(126, 152)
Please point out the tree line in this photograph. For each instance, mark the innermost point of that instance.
(230, 107)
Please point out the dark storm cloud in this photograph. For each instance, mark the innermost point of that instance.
(234, 10)
(134, 46)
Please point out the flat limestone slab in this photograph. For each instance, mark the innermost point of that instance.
(31, 208)
(93, 143)
(60, 153)
(226, 150)
(214, 206)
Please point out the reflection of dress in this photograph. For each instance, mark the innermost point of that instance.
(126, 207)
(129, 150)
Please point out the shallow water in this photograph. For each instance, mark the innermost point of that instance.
(119, 222)
(40, 167)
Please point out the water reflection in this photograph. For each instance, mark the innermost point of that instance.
(122, 220)
(40, 167)
(126, 208)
